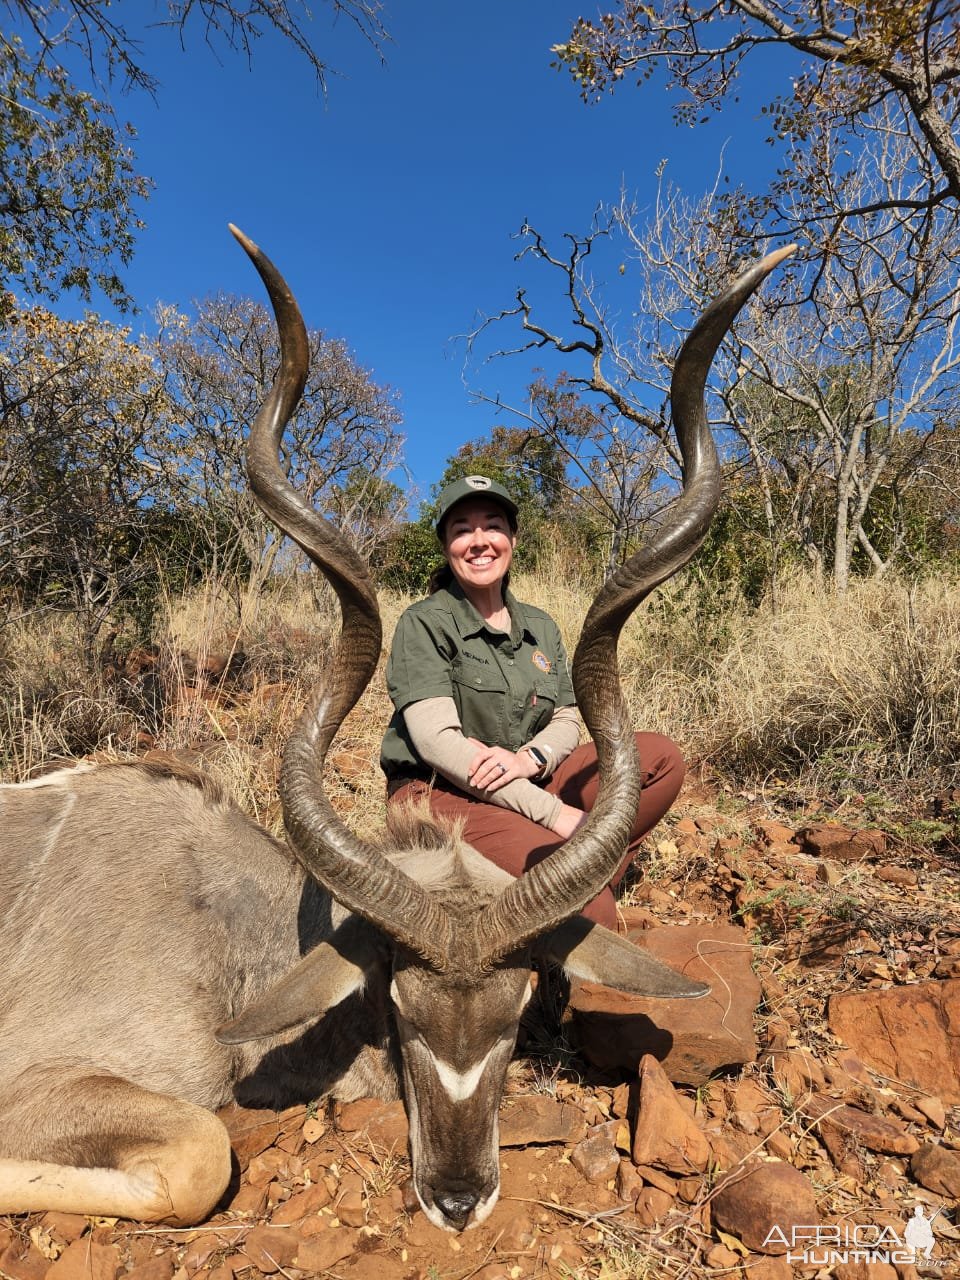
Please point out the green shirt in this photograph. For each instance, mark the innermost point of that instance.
(505, 687)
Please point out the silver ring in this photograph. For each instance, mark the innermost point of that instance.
(503, 770)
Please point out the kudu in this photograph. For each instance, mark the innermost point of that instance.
(161, 954)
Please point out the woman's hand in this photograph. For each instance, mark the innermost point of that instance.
(493, 767)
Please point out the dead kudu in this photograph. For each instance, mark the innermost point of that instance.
(161, 954)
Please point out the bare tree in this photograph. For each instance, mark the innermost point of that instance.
(854, 58)
(216, 369)
(836, 382)
(599, 418)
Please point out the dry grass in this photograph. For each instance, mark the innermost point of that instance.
(863, 685)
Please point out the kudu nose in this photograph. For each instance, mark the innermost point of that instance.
(456, 1206)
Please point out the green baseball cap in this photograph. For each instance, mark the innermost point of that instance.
(474, 487)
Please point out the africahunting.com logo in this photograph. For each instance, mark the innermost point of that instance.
(824, 1245)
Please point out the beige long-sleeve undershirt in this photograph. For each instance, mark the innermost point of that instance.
(436, 733)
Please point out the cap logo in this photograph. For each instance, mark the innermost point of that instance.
(477, 482)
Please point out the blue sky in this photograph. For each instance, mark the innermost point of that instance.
(391, 203)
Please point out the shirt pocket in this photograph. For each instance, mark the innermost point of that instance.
(480, 691)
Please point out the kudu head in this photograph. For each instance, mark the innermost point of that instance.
(456, 940)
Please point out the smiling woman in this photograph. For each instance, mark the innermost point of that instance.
(485, 729)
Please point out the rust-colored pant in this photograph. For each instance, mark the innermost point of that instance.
(515, 843)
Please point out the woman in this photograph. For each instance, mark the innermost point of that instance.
(485, 728)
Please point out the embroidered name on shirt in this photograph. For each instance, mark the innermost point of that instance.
(540, 660)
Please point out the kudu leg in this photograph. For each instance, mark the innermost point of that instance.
(130, 1153)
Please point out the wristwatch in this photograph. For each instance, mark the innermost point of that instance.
(540, 760)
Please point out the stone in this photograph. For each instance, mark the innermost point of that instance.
(320, 1252)
(665, 1134)
(652, 1204)
(21, 1260)
(270, 1248)
(933, 1109)
(519, 1236)
(910, 1033)
(383, 1123)
(760, 1204)
(695, 1038)
(841, 843)
(596, 1159)
(251, 1131)
(775, 833)
(863, 1270)
(351, 1209)
(86, 1260)
(876, 1133)
(629, 1181)
(769, 1268)
(312, 1200)
(720, 1257)
(540, 1120)
(249, 1200)
(897, 875)
(158, 1268)
(937, 1169)
(66, 1227)
(201, 1249)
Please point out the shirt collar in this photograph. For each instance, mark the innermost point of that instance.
(469, 622)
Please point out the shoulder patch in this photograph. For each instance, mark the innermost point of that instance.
(541, 661)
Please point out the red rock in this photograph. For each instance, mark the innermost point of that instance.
(933, 1110)
(629, 1181)
(693, 1038)
(325, 1250)
(159, 1268)
(299, 1206)
(86, 1260)
(841, 843)
(657, 1178)
(199, 1251)
(937, 1169)
(862, 1270)
(538, 1121)
(775, 833)
(652, 1204)
(65, 1227)
(383, 1123)
(910, 1034)
(769, 1269)
(752, 1203)
(350, 1208)
(23, 1261)
(249, 1200)
(876, 1133)
(665, 1134)
(250, 1131)
(720, 1257)
(519, 1236)
(270, 1248)
(897, 875)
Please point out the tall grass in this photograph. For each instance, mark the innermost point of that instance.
(863, 685)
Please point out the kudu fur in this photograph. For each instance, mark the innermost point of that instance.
(161, 954)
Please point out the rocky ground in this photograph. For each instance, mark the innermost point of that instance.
(790, 1124)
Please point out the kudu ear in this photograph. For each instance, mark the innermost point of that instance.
(326, 975)
(587, 950)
